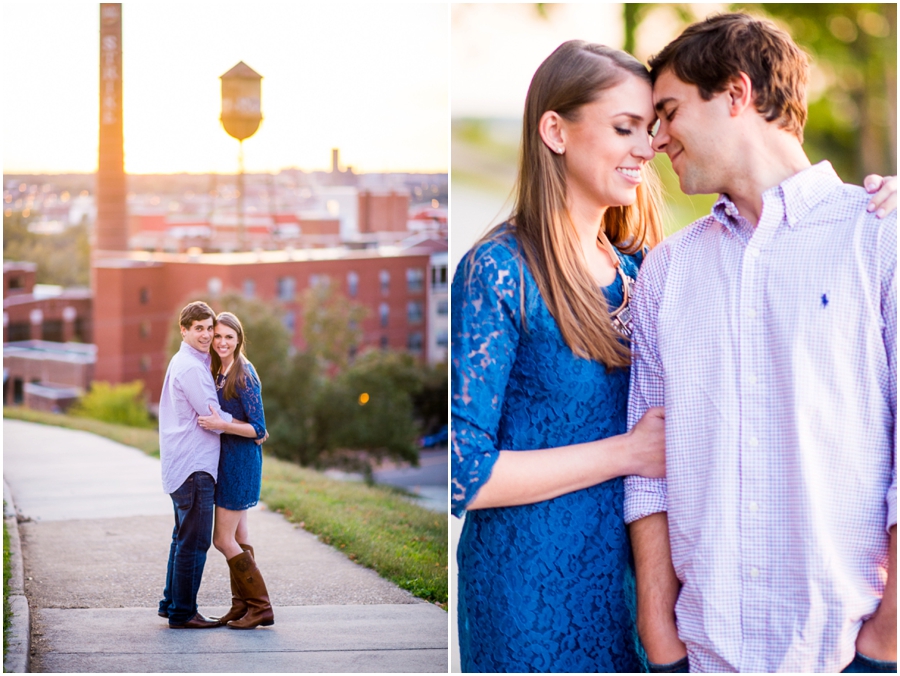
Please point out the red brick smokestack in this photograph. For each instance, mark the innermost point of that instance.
(110, 230)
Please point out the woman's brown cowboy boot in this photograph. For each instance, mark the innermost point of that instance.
(251, 588)
(238, 607)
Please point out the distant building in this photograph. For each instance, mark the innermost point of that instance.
(43, 312)
(139, 294)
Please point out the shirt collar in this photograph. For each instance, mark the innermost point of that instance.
(196, 354)
(800, 193)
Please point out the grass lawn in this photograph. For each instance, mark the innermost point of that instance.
(372, 525)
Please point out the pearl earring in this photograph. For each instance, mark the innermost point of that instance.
(559, 151)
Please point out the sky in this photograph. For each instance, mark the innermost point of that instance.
(370, 79)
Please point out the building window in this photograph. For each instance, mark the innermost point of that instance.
(352, 284)
(415, 279)
(18, 331)
(414, 312)
(145, 363)
(15, 282)
(383, 342)
(384, 278)
(52, 330)
(214, 286)
(441, 338)
(290, 321)
(439, 278)
(384, 312)
(249, 288)
(145, 329)
(286, 288)
(442, 307)
(145, 295)
(316, 281)
(414, 342)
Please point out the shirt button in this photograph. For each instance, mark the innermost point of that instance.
(754, 572)
(754, 441)
(751, 379)
(753, 251)
(751, 313)
(753, 508)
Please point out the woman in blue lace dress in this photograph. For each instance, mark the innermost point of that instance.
(240, 472)
(540, 381)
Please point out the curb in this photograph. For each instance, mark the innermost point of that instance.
(18, 647)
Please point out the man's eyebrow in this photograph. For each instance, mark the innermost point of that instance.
(662, 103)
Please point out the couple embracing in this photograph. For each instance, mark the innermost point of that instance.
(727, 504)
(211, 429)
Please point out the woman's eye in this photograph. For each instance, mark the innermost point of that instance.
(623, 132)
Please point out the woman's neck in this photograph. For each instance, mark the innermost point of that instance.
(226, 365)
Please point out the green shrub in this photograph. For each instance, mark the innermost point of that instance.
(121, 404)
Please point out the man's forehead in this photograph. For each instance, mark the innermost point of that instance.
(201, 324)
(669, 88)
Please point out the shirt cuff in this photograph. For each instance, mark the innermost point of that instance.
(891, 507)
(644, 497)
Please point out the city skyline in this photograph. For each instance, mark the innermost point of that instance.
(376, 86)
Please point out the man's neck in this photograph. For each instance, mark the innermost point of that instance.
(768, 162)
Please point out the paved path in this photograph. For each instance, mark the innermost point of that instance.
(95, 540)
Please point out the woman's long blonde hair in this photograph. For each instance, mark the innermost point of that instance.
(572, 76)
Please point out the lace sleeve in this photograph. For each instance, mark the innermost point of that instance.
(251, 400)
(485, 333)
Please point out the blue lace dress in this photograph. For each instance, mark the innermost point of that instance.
(545, 587)
(240, 462)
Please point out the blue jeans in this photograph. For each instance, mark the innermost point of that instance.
(676, 667)
(191, 537)
(866, 665)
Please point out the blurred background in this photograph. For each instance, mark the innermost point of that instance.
(495, 50)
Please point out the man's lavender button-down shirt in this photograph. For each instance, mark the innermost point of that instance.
(773, 350)
(187, 392)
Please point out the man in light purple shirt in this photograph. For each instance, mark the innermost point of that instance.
(190, 460)
(768, 332)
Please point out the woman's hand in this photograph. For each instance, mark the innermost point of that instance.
(884, 201)
(213, 421)
(647, 445)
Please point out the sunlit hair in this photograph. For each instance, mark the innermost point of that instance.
(195, 311)
(237, 375)
(574, 75)
(710, 53)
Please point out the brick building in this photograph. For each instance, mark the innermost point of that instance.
(138, 296)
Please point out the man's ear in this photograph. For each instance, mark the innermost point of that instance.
(740, 93)
(551, 130)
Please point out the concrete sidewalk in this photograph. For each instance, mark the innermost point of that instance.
(95, 539)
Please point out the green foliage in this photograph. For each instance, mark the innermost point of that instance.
(62, 259)
(331, 325)
(122, 404)
(375, 526)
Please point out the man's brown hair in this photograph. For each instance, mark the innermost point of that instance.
(710, 53)
(196, 311)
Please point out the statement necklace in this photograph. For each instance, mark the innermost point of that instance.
(621, 316)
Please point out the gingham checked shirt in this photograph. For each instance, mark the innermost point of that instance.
(773, 350)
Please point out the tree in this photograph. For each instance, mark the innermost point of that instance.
(331, 326)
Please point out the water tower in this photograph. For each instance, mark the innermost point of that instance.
(241, 115)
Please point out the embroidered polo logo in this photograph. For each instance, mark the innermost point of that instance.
(824, 300)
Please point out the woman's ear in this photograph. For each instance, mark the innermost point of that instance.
(552, 133)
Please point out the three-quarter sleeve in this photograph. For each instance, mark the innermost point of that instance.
(644, 496)
(485, 325)
(251, 401)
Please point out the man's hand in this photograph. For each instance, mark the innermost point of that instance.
(213, 421)
(885, 199)
(878, 637)
(657, 589)
(260, 442)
